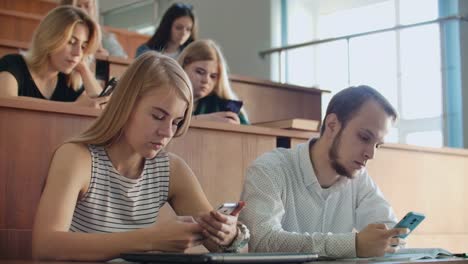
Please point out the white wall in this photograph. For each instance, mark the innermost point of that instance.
(241, 27)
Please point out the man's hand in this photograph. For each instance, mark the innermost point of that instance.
(376, 239)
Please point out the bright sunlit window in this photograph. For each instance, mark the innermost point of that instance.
(401, 64)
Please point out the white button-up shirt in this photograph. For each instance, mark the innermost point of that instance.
(288, 211)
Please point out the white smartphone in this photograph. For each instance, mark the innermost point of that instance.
(231, 208)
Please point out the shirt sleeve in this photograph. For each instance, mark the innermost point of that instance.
(112, 45)
(141, 49)
(264, 213)
(371, 206)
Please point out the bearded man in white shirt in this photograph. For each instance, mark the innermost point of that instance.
(315, 196)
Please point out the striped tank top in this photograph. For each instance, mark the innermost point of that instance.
(114, 203)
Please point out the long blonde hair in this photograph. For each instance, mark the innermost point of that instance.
(208, 50)
(149, 71)
(54, 31)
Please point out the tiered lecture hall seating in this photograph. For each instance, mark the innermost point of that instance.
(412, 178)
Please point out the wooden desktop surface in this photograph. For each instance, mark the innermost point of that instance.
(31, 131)
(425, 261)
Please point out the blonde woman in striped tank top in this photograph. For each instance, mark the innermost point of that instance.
(106, 186)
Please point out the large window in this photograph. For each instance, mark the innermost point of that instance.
(402, 64)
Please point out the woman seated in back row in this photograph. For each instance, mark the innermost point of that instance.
(105, 188)
(56, 66)
(204, 63)
(177, 29)
(109, 44)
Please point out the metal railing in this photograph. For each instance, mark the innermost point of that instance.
(282, 49)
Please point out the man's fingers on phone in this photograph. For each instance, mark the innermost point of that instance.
(400, 231)
(392, 249)
(395, 241)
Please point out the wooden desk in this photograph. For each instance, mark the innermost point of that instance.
(428, 180)
(38, 7)
(20, 26)
(263, 100)
(31, 131)
(425, 261)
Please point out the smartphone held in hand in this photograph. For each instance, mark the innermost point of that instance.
(231, 208)
(109, 88)
(410, 221)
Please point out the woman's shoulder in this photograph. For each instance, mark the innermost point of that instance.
(141, 49)
(76, 151)
(13, 57)
(10, 61)
(177, 164)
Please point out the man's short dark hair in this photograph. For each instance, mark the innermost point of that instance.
(346, 103)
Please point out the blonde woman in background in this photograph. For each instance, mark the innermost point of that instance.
(105, 188)
(205, 65)
(56, 68)
(109, 44)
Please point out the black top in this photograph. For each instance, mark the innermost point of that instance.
(16, 65)
(213, 104)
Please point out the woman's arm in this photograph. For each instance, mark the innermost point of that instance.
(68, 179)
(187, 198)
(8, 85)
(91, 85)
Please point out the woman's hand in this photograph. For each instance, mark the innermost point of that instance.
(220, 228)
(226, 117)
(96, 102)
(91, 85)
(175, 235)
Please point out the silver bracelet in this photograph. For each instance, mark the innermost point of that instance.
(240, 241)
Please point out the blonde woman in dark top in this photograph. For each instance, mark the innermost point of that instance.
(105, 188)
(109, 44)
(56, 66)
(206, 67)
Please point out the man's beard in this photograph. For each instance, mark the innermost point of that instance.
(333, 156)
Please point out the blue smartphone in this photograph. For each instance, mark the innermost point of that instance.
(410, 221)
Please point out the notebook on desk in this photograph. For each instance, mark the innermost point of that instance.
(233, 258)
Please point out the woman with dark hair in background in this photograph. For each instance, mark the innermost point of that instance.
(176, 30)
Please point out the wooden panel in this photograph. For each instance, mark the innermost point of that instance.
(26, 29)
(40, 7)
(129, 40)
(36, 128)
(263, 100)
(264, 103)
(235, 149)
(26, 158)
(15, 244)
(427, 181)
(20, 25)
(7, 32)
